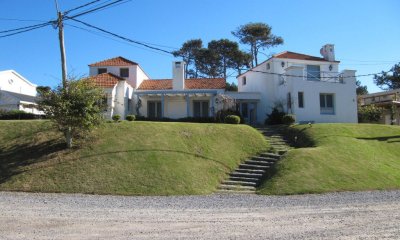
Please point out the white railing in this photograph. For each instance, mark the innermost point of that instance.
(334, 77)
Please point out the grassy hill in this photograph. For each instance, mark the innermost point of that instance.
(339, 157)
(128, 158)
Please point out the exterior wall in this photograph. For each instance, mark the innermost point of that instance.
(13, 82)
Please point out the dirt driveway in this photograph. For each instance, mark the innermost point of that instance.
(362, 215)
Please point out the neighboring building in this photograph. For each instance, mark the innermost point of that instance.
(17, 93)
(309, 87)
(386, 100)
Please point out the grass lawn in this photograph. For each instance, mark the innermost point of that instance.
(339, 157)
(127, 158)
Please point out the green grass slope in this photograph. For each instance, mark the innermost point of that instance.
(339, 157)
(127, 158)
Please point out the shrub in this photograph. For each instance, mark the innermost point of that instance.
(370, 113)
(275, 117)
(130, 118)
(232, 119)
(16, 115)
(288, 119)
(116, 117)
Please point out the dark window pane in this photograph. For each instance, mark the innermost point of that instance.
(244, 110)
(329, 101)
(301, 99)
(124, 72)
(196, 109)
(204, 109)
(151, 110)
(159, 110)
(101, 70)
(313, 72)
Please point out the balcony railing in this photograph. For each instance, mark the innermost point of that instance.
(333, 77)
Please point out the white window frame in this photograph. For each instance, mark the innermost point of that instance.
(325, 110)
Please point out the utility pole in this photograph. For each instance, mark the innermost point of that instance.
(62, 48)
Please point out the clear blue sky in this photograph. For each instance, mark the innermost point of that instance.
(366, 33)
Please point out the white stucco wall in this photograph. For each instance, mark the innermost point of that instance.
(136, 74)
(14, 82)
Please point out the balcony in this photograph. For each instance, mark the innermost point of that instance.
(332, 77)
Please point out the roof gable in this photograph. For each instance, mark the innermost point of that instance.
(106, 80)
(299, 56)
(191, 83)
(117, 61)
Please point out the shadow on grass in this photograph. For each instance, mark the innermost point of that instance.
(158, 150)
(13, 159)
(389, 139)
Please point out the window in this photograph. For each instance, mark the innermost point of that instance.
(326, 103)
(313, 73)
(245, 108)
(200, 108)
(244, 80)
(101, 70)
(300, 97)
(268, 66)
(124, 72)
(154, 109)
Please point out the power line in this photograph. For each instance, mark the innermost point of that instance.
(289, 75)
(121, 37)
(98, 8)
(111, 38)
(21, 20)
(25, 29)
(82, 6)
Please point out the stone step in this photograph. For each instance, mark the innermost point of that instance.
(268, 162)
(246, 175)
(264, 158)
(236, 187)
(242, 183)
(271, 155)
(228, 191)
(245, 179)
(246, 170)
(253, 166)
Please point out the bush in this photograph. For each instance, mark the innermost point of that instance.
(275, 117)
(232, 119)
(130, 118)
(288, 119)
(116, 117)
(16, 115)
(369, 114)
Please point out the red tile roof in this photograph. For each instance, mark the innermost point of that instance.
(106, 80)
(117, 61)
(192, 83)
(299, 56)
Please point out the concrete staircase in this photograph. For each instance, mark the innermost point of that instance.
(251, 172)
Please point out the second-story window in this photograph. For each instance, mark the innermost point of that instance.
(101, 70)
(124, 72)
(244, 81)
(313, 73)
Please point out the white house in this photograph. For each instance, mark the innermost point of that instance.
(311, 88)
(130, 91)
(386, 100)
(17, 93)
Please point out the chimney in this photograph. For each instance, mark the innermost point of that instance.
(328, 52)
(178, 75)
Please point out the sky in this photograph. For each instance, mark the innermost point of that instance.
(365, 33)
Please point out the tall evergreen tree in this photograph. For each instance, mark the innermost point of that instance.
(257, 36)
(188, 53)
(389, 81)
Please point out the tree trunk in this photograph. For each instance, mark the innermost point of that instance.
(68, 137)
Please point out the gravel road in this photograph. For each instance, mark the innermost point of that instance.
(360, 215)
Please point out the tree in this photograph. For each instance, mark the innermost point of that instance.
(231, 87)
(208, 63)
(188, 53)
(369, 113)
(387, 81)
(361, 90)
(75, 108)
(258, 36)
